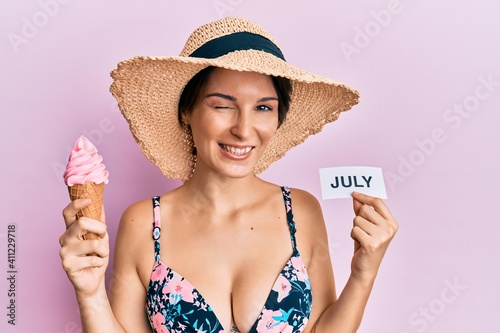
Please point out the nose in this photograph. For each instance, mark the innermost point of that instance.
(243, 124)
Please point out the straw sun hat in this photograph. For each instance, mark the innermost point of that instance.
(148, 90)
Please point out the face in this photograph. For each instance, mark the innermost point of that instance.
(233, 120)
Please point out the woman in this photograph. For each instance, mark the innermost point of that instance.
(229, 252)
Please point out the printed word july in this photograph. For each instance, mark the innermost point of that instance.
(350, 181)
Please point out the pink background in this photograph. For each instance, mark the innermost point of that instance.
(413, 61)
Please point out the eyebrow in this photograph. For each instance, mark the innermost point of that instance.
(233, 99)
(228, 97)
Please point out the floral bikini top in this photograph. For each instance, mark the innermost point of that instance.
(174, 305)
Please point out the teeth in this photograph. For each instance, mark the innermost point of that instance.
(236, 151)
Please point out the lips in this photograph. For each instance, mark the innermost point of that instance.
(236, 151)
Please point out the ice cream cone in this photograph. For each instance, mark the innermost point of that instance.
(96, 193)
(85, 176)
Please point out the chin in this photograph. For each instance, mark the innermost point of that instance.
(238, 172)
(230, 169)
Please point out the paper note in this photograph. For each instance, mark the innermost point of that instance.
(340, 182)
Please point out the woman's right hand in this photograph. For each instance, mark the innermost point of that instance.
(85, 270)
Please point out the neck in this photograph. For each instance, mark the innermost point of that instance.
(221, 194)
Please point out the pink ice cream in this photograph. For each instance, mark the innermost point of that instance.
(85, 164)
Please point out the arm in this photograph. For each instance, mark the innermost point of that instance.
(86, 272)
(134, 253)
(374, 227)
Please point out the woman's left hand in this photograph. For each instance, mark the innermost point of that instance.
(374, 228)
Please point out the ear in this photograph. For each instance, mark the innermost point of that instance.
(185, 117)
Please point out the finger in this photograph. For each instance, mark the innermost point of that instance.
(81, 227)
(359, 236)
(356, 205)
(83, 248)
(364, 210)
(367, 226)
(377, 203)
(73, 265)
(96, 227)
(369, 214)
(69, 212)
(84, 225)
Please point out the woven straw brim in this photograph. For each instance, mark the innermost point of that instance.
(148, 90)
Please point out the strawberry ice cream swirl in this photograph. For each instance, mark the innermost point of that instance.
(85, 165)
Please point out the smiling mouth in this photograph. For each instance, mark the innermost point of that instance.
(236, 151)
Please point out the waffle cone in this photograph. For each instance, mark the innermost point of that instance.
(96, 193)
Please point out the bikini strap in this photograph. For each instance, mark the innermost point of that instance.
(156, 226)
(287, 198)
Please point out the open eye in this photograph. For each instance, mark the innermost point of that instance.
(264, 108)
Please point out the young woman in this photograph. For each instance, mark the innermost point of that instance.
(226, 251)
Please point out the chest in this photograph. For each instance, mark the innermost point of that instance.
(230, 267)
(284, 305)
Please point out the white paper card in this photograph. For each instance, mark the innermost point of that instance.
(340, 182)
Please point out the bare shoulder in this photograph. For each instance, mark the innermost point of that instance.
(308, 217)
(134, 247)
(136, 221)
(132, 265)
(306, 208)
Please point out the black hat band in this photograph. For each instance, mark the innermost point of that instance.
(238, 41)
